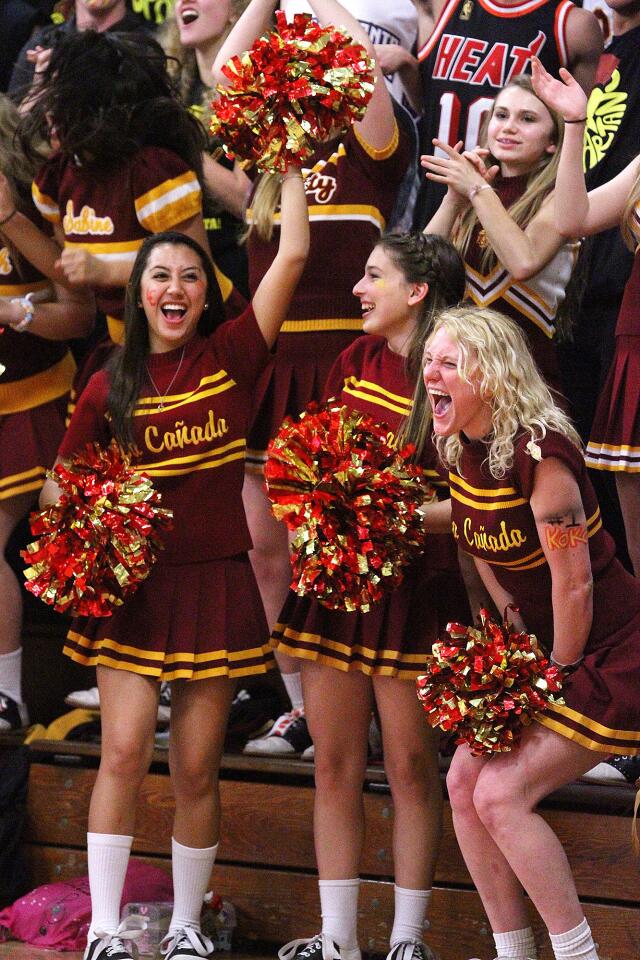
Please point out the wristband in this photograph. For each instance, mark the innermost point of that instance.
(577, 120)
(10, 217)
(29, 309)
(476, 188)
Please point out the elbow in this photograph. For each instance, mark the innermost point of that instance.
(523, 270)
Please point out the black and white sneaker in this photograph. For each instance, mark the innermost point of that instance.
(320, 947)
(186, 944)
(111, 946)
(13, 715)
(288, 737)
(615, 770)
(411, 950)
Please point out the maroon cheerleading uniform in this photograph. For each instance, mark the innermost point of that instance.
(614, 443)
(351, 190)
(475, 49)
(492, 519)
(199, 613)
(35, 380)
(110, 215)
(533, 303)
(395, 636)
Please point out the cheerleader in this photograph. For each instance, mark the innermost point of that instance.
(614, 443)
(179, 393)
(523, 507)
(351, 185)
(350, 661)
(36, 369)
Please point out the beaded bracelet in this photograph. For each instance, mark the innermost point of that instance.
(477, 187)
(29, 310)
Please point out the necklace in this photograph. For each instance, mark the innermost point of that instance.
(162, 398)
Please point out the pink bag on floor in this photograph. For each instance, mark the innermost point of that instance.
(57, 915)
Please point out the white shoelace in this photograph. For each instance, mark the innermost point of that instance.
(131, 929)
(202, 946)
(290, 950)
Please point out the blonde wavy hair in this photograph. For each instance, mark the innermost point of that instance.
(539, 185)
(183, 65)
(630, 238)
(495, 357)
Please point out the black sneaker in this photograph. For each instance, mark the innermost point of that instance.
(111, 946)
(288, 737)
(252, 714)
(186, 944)
(320, 947)
(411, 950)
(13, 715)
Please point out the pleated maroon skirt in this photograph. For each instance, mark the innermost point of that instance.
(29, 442)
(614, 443)
(186, 622)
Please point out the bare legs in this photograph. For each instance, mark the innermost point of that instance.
(505, 843)
(269, 557)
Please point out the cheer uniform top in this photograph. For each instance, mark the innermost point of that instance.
(35, 378)
(476, 48)
(199, 613)
(395, 636)
(492, 520)
(533, 303)
(350, 192)
(615, 436)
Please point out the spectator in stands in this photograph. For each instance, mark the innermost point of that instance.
(500, 434)
(500, 218)
(99, 15)
(476, 48)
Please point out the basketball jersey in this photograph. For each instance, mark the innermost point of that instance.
(476, 48)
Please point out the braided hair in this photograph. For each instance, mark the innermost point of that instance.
(424, 258)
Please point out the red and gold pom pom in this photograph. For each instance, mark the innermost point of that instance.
(98, 542)
(334, 478)
(485, 683)
(300, 85)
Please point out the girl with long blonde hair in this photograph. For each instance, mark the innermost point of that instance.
(498, 212)
(614, 443)
(523, 508)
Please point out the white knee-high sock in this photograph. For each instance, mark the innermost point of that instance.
(191, 868)
(410, 913)
(339, 908)
(293, 686)
(516, 944)
(11, 674)
(108, 856)
(576, 944)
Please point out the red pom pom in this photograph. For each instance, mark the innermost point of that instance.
(296, 87)
(485, 683)
(352, 499)
(98, 542)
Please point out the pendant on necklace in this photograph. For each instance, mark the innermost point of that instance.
(160, 407)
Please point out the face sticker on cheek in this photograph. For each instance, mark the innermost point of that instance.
(379, 283)
(151, 297)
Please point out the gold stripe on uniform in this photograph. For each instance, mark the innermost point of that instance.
(40, 388)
